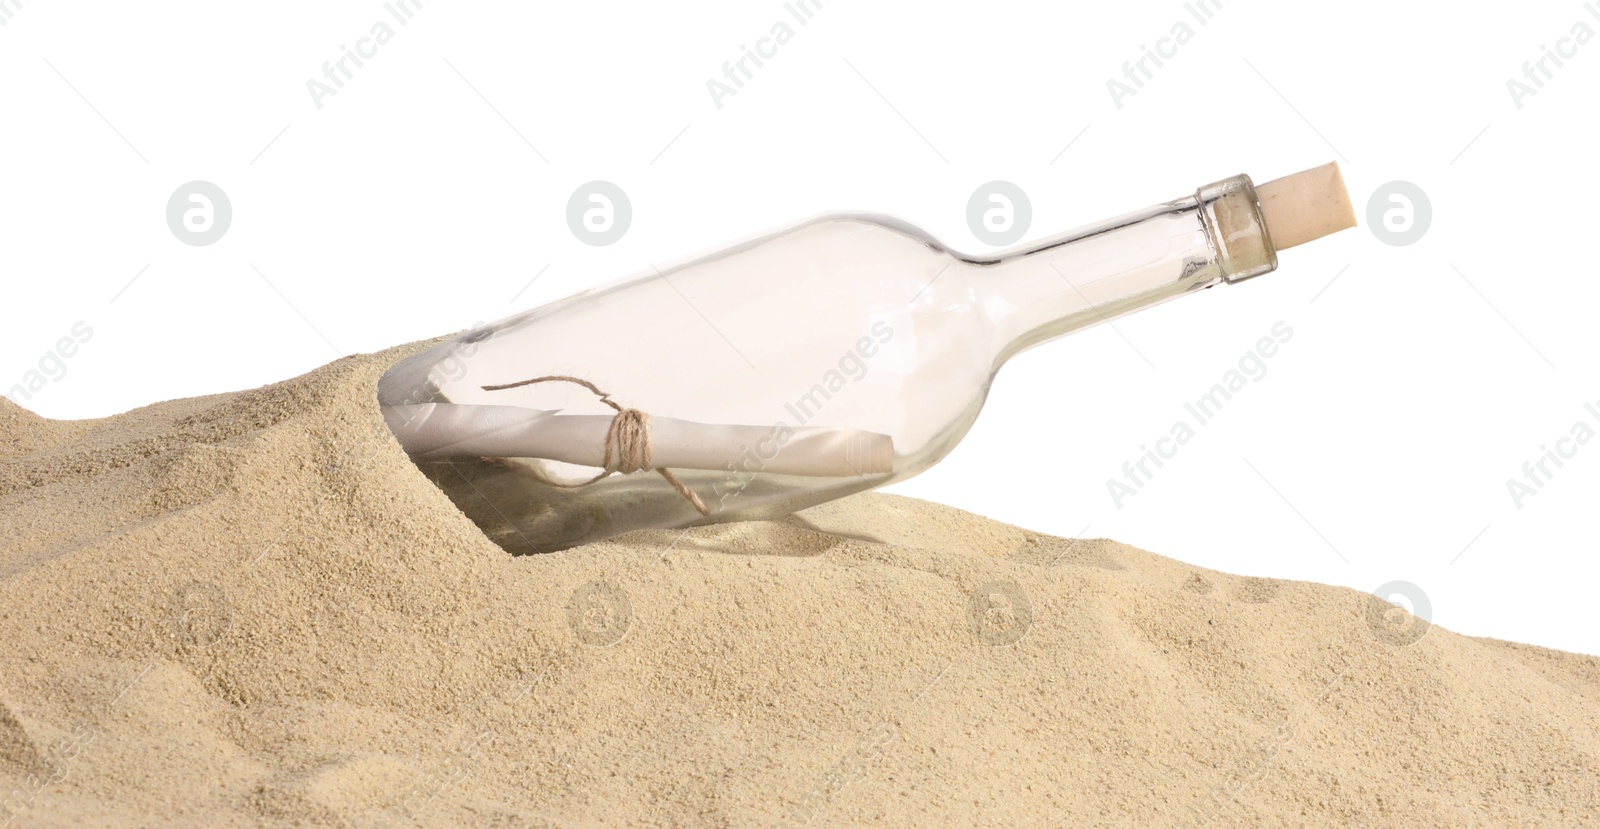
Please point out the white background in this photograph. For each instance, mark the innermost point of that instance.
(425, 195)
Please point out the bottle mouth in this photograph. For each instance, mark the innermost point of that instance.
(1231, 213)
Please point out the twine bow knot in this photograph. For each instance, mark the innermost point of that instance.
(627, 447)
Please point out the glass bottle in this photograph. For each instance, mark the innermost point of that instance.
(838, 355)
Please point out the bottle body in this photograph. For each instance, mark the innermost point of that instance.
(836, 356)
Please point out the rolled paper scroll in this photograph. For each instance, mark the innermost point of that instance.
(432, 431)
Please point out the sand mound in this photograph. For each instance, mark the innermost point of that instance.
(251, 609)
(22, 431)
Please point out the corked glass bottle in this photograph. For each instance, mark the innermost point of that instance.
(836, 356)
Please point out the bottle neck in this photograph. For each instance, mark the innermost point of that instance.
(1097, 273)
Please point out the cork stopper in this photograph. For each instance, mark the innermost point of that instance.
(1304, 206)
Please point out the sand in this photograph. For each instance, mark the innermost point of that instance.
(251, 609)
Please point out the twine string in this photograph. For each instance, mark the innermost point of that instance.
(627, 447)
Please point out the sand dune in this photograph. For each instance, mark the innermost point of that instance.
(252, 609)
